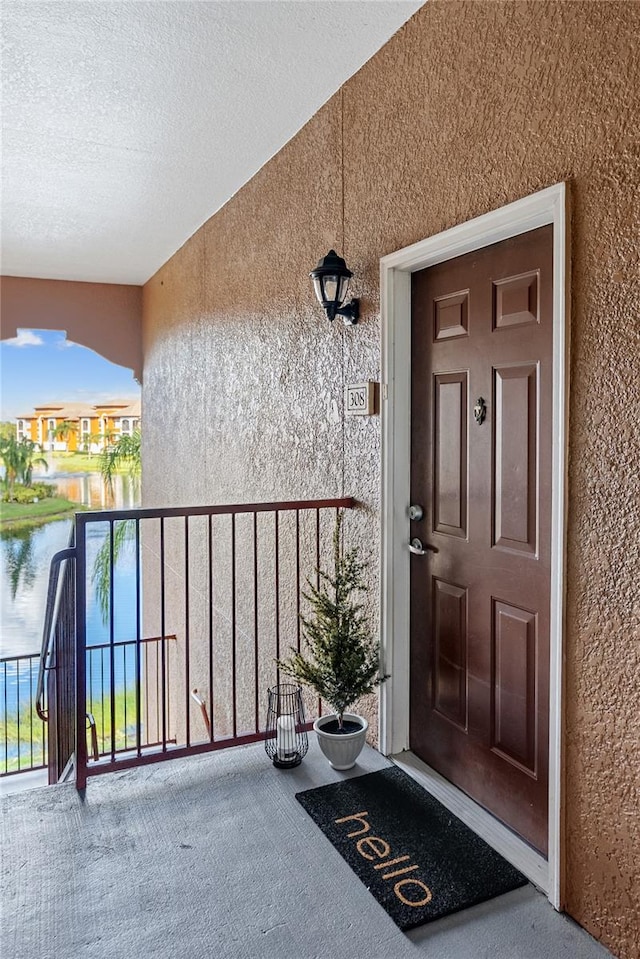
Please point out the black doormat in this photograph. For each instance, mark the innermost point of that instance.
(418, 859)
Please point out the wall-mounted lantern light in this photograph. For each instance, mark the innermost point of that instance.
(331, 283)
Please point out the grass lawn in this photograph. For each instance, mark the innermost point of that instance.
(73, 463)
(23, 740)
(76, 463)
(24, 515)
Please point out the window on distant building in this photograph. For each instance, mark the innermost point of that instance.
(125, 427)
(22, 429)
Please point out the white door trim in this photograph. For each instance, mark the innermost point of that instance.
(539, 209)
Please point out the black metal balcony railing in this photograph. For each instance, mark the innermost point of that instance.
(112, 720)
(24, 733)
(23, 736)
(196, 604)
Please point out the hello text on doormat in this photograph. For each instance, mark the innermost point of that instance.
(417, 859)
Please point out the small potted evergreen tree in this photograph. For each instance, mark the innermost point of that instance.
(343, 661)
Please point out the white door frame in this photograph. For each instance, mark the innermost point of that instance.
(546, 206)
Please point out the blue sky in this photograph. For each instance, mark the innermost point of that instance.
(40, 366)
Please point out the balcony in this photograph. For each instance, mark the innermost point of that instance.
(209, 854)
(212, 856)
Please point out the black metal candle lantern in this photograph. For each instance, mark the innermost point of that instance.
(286, 742)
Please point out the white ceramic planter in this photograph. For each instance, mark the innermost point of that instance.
(341, 749)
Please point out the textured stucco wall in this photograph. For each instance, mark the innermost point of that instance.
(472, 105)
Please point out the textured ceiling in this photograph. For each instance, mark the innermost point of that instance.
(126, 125)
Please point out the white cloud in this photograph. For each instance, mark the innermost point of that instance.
(25, 338)
(64, 343)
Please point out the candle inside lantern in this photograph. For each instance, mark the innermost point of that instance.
(285, 737)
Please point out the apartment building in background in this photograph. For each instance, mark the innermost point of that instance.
(79, 427)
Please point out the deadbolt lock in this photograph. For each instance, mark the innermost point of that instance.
(416, 512)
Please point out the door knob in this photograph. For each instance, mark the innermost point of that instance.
(416, 512)
(418, 549)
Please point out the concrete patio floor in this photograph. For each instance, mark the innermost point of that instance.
(213, 857)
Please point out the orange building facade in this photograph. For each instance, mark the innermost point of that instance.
(79, 427)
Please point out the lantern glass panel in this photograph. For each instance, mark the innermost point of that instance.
(331, 284)
(342, 292)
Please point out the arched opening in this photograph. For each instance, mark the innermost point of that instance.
(63, 396)
(105, 317)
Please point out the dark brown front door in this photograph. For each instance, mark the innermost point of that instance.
(481, 470)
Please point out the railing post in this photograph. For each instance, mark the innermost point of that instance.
(81, 652)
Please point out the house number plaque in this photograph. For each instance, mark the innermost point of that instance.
(360, 399)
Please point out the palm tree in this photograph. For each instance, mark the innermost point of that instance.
(88, 439)
(64, 430)
(19, 458)
(125, 453)
(30, 460)
(10, 455)
(20, 559)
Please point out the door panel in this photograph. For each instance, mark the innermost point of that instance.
(516, 300)
(514, 684)
(515, 460)
(451, 316)
(481, 331)
(450, 650)
(450, 459)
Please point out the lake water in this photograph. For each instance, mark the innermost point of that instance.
(25, 557)
(24, 574)
(89, 490)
